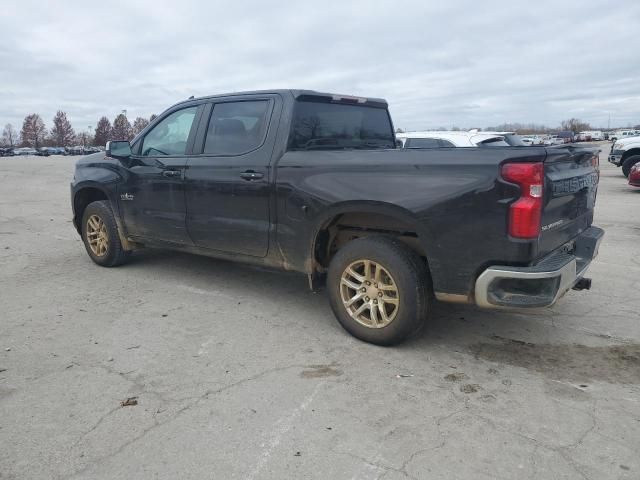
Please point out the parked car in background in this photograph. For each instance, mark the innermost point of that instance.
(89, 150)
(57, 150)
(25, 151)
(77, 150)
(620, 134)
(634, 175)
(582, 137)
(42, 152)
(596, 135)
(566, 135)
(512, 138)
(329, 195)
(6, 152)
(443, 139)
(532, 140)
(625, 153)
(556, 140)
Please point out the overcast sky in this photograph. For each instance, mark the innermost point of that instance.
(438, 63)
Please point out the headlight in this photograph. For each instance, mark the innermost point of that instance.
(618, 146)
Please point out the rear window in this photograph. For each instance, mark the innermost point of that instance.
(493, 142)
(334, 126)
(513, 140)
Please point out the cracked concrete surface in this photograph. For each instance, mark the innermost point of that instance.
(243, 373)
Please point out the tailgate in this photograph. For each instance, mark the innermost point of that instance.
(571, 183)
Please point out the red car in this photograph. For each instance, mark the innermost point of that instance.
(634, 175)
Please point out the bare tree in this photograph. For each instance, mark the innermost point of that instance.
(139, 124)
(62, 132)
(83, 138)
(152, 117)
(121, 128)
(575, 125)
(102, 133)
(33, 130)
(9, 135)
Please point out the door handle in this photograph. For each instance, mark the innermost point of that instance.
(171, 173)
(251, 175)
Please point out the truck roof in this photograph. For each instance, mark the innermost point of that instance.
(380, 102)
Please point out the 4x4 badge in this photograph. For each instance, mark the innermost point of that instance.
(126, 196)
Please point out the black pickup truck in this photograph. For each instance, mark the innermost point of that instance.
(313, 183)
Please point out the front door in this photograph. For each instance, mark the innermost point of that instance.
(152, 201)
(228, 183)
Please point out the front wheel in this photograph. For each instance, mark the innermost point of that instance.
(379, 289)
(100, 235)
(628, 163)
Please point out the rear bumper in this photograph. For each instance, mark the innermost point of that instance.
(539, 285)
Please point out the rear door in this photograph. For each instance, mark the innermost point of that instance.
(227, 184)
(571, 184)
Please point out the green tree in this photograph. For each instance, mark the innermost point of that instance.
(121, 128)
(62, 133)
(102, 133)
(139, 124)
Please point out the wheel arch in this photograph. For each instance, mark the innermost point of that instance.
(84, 195)
(630, 153)
(363, 219)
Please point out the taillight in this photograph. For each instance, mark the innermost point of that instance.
(526, 212)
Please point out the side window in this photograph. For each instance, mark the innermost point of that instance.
(237, 127)
(446, 143)
(422, 143)
(170, 136)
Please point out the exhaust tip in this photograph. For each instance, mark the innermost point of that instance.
(583, 284)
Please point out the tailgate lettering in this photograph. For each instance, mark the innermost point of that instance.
(574, 185)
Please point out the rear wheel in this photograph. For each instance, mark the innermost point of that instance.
(100, 235)
(628, 163)
(379, 289)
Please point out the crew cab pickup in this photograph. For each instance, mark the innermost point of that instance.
(313, 183)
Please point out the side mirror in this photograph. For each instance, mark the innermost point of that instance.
(118, 149)
(399, 143)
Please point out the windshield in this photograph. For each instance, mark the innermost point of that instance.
(334, 126)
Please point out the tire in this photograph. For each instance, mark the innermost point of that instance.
(99, 223)
(628, 163)
(406, 309)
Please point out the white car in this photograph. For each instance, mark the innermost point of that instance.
(444, 139)
(596, 135)
(25, 151)
(620, 134)
(532, 140)
(556, 140)
(512, 138)
(625, 153)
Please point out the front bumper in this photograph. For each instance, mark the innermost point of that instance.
(615, 157)
(539, 285)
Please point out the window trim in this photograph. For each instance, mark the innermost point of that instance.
(139, 142)
(201, 140)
